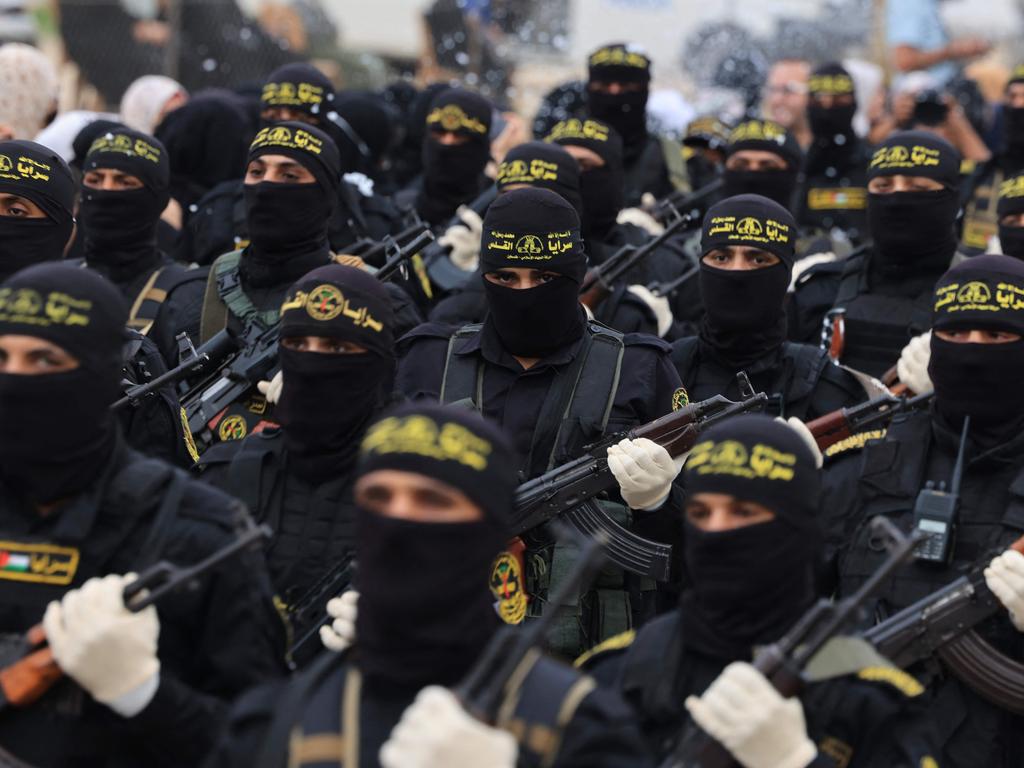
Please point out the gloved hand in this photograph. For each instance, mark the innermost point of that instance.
(806, 263)
(638, 217)
(464, 241)
(805, 434)
(436, 731)
(104, 647)
(748, 717)
(1005, 577)
(272, 389)
(658, 304)
(340, 633)
(644, 471)
(912, 366)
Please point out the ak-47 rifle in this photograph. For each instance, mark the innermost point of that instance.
(846, 422)
(255, 360)
(307, 614)
(26, 680)
(567, 492)
(600, 281)
(398, 252)
(679, 203)
(784, 662)
(483, 689)
(377, 253)
(193, 362)
(440, 269)
(942, 624)
(668, 288)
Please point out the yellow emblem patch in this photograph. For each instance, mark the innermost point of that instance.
(979, 296)
(423, 436)
(680, 399)
(325, 302)
(507, 588)
(730, 457)
(578, 129)
(897, 678)
(854, 441)
(39, 563)
(837, 199)
(452, 117)
(232, 428)
(190, 441)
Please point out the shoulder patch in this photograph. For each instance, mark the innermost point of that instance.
(854, 442)
(680, 399)
(897, 678)
(614, 643)
(646, 340)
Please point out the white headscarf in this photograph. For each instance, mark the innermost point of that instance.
(28, 89)
(144, 101)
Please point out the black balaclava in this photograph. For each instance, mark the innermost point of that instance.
(1011, 203)
(536, 229)
(832, 127)
(288, 222)
(57, 430)
(328, 399)
(827, 123)
(300, 87)
(451, 173)
(38, 174)
(704, 132)
(980, 380)
(369, 130)
(745, 316)
(766, 136)
(119, 226)
(626, 112)
(206, 143)
(1013, 129)
(545, 166)
(749, 585)
(913, 231)
(603, 189)
(425, 605)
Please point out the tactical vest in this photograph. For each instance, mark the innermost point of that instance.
(577, 407)
(878, 327)
(790, 394)
(979, 199)
(539, 705)
(296, 558)
(225, 297)
(155, 292)
(892, 474)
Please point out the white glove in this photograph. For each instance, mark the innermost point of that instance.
(748, 717)
(638, 217)
(806, 263)
(805, 434)
(104, 647)
(658, 304)
(436, 732)
(340, 633)
(1005, 577)
(644, 471)
(464, 241)
(272, 389)
(912, 366)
